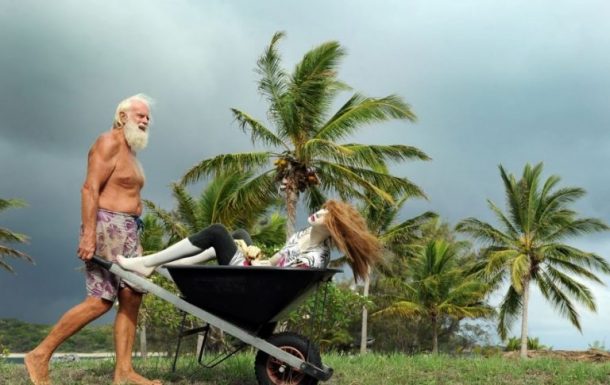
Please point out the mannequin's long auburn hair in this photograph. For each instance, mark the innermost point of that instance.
(351, 236)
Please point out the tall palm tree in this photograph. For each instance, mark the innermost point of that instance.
(307, 158)
(8, 236)
(439, 286)
(399, 239)
(528, 247)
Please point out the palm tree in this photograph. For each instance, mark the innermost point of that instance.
(439, 286)
(151, 239)
(8, 236)
(528, 247)
(307, 159)
(399, 239)
(219, 203)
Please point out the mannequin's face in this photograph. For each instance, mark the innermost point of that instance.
(317, 218)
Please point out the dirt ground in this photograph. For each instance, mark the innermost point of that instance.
(592, 355)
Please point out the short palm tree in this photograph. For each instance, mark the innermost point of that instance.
(152, 238)
(8, 236)
(439, 285)
(400, 239)
(307, 158)
(529, 247)
(219, 203)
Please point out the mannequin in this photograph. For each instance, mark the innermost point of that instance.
(336, 224)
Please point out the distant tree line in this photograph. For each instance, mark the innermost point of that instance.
(19, 337)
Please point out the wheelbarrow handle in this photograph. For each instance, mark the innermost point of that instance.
(102, 262)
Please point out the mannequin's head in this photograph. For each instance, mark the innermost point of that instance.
(350, 235)
(318, 218)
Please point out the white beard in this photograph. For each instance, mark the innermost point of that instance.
(136, 138)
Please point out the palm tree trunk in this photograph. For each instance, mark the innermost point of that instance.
(364, 329)
(292, 197)
(143, 342)
(434, 335)
(526, 295)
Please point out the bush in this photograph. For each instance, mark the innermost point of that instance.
(335, 321)
(514, 343)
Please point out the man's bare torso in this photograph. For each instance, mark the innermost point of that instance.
(121, 192)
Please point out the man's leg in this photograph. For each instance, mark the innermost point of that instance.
(124, 337)
(37, 361)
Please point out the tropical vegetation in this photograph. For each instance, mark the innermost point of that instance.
(307, 157)
(438, 287)
(400, 240)
(529, 247)
(7, 237)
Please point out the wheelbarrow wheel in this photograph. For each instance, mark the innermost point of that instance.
(271, 371)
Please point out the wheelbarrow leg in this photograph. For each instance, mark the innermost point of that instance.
(179, 341)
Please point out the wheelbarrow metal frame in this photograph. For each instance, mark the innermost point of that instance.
(322, 374)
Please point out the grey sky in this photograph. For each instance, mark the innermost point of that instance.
(491, 82)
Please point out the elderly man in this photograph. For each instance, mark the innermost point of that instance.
(110, 210)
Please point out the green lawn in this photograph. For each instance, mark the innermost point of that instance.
(371, 369)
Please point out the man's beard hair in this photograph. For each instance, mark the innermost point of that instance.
(136, 138)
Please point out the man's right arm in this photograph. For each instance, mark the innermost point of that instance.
(100, 165)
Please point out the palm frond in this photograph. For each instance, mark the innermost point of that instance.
(573, 268)
(172, 226)
(520, 270)
(378, 183)
(407, 227)
(313, 87)
(577, 290)
(510, 308)
(483, 231)
(404, 309)
(7, 235)
(314, 198)
(273, 84)
(253, 195)
(272, 232)
(187, 207)
(364, 155)
(577, 227)
(497, 259)
(226, 163)
(558, 298)
(258, 132)
(512, 231)
(360, 110)
(11, 203)
(512, 198)
(9, 252)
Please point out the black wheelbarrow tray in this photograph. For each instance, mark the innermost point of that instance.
(246, 302)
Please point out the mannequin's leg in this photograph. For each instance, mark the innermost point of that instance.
(146, 265)
(215, 236)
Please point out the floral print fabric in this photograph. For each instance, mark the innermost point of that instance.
(117, 233)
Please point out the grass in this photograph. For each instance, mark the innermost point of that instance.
(371, 369)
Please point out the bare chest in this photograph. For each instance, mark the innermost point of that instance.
(128, 172)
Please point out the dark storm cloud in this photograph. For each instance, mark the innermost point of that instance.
(491, 84)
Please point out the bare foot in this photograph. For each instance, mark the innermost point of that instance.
(133, 378)
(38, 368)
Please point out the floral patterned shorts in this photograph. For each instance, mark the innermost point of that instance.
(117, 233)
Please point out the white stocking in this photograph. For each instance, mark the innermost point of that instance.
(146, 265)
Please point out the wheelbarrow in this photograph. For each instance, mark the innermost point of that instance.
(247, 302)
